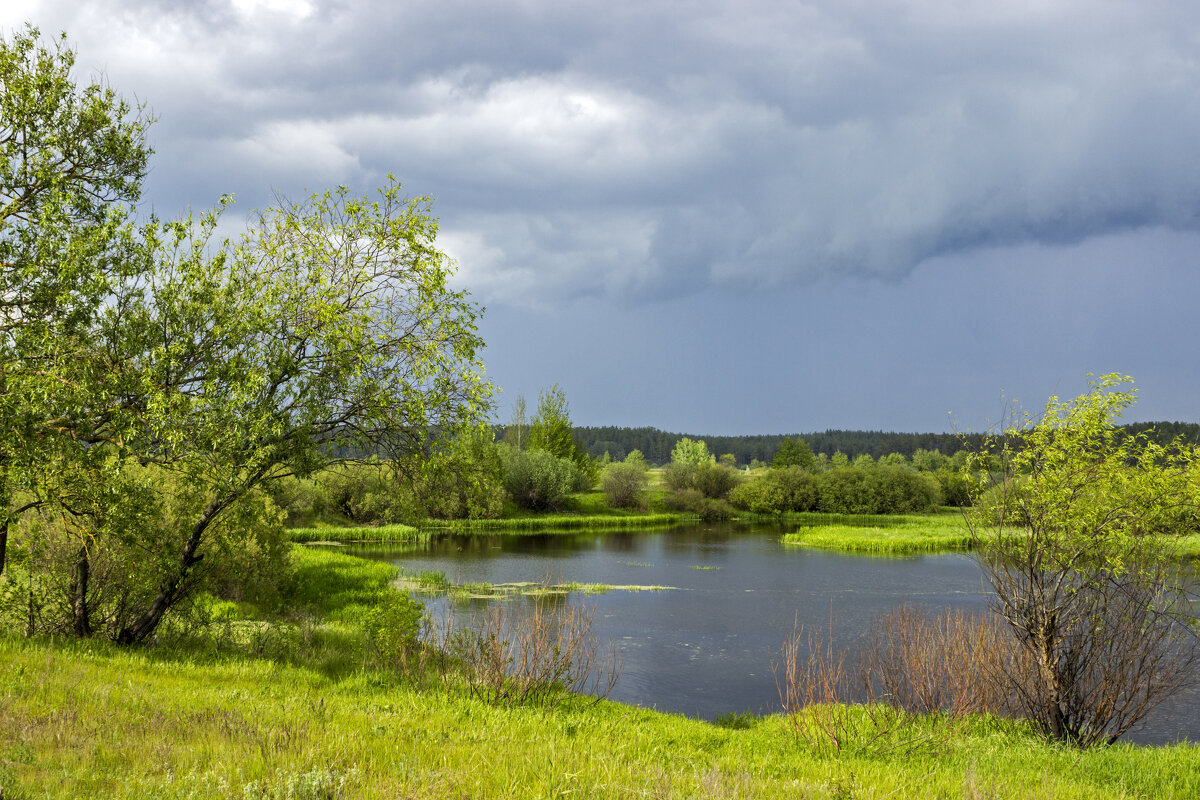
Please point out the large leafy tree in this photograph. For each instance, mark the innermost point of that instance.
(329, 331)
(1076, 543)
(72, 158)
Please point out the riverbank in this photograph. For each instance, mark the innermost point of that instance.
(294, 707)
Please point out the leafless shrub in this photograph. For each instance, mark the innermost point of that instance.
(532, 651)
(954, 662)
(1102, 648)
(908, 688)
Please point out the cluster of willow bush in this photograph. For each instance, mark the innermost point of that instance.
(880, 489)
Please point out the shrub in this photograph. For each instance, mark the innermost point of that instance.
(709, 478)
(365, 493)
(777, 490)
(679, 475)
(877, 490)
(623, 484)
(395, 629)
(536, 479)
(531, 652)
(758, 496)
(686, 501)
(465, 480)
(909, 688)
(716, 480)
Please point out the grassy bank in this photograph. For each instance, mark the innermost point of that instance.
(365, 533)
(563, 522)
(307, 716)
(885, 536)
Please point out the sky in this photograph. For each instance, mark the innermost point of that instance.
(720, 217)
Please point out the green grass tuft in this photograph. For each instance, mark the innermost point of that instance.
(382, 533)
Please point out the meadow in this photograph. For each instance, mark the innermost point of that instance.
(299, 706)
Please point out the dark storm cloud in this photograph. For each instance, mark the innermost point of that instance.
(653, 149)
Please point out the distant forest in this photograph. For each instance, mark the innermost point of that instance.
(657, 445)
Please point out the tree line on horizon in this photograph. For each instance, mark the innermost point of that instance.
(656, 445)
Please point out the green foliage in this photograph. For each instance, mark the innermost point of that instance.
(794, 453)
(928, 460)
(536, 479)
(72, 158)
(693, 452)
(395, 628)
(784, 489)
(465, 480)
(95, 574)
(624, 484)
(635, 457)
(550, 428)
(328, 328)
(711, 479)
(877, 490)
(1076, 568)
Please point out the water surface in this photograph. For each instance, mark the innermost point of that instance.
(705, 647)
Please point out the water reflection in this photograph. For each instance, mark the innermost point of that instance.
(705, 647)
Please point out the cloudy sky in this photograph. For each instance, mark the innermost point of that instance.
(719, 217)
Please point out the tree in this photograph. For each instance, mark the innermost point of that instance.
(688, 451)
(71, 161)
(794, 453)
(550, 428)
(327, 331)
(1073, 548)
(515, 433)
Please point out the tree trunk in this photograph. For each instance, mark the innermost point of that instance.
(172, 589)
(5, 504)
(3, 542)
(83, 569)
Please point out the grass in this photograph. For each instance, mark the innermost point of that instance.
(381, 533)
(564, 522)
(897, 535)
(433, 582)
(88, 719)
(1188, 545)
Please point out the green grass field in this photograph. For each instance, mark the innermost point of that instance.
(296, 709)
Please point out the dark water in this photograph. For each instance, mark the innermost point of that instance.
(705, 647)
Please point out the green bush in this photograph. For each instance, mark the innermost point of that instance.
(624, 484)
(465, 480)
(685, 501)
(395, 629)
(877, 490)
(366, 494)
(716, 480)
(536, 479)
(777, 490)
(711, 479)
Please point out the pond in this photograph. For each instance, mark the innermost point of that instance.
(705, 646)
